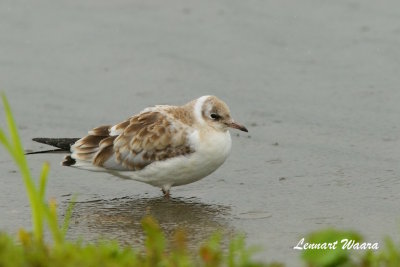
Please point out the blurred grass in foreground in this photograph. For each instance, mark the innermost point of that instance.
(31, 249)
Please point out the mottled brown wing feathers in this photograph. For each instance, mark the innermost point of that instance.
(135, 143)
(90, 141)
(100, 131)
(105, 152)
(150, 137)
(86, 148)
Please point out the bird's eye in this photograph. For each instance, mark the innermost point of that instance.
(215, 116)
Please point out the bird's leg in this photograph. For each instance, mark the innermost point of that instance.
(165, 190)
(166, 193)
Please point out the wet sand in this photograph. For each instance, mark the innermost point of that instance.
(316, 83)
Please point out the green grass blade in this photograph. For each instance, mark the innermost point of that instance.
(43, 180)
(4, 141)
(12, 127)
(16, 150)
(50, 211)
(68, 215)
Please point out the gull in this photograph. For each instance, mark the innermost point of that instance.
(163, 146)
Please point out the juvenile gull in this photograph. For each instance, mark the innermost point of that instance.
(163, 146)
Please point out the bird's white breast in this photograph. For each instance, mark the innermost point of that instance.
(211, 151)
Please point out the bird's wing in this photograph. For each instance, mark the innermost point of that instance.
(135, 143)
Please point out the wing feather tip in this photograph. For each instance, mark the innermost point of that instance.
(68, 161)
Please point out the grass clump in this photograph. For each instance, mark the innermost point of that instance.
(30, 248)
(106, 253)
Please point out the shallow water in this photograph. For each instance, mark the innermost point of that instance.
(316, 83)
(120, 219)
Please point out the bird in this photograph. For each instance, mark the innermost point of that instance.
(163, 145)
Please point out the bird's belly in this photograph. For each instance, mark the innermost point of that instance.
(208, 156)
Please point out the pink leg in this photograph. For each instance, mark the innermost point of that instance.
(165, 190)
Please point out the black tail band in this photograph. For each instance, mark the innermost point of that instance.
(46, 151)
(63, 144)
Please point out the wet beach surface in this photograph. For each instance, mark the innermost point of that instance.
(316, 83)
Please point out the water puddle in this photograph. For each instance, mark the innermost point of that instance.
(120, 219)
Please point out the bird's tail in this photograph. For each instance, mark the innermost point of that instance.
(61, 144)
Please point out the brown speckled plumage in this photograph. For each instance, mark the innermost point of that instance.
(141, 140)
(163, 146)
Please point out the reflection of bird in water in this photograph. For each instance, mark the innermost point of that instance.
(120, 219)
(163, 146)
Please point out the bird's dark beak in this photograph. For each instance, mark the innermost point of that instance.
(237, 126)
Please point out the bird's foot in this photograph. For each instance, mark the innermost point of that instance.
(165, 190)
